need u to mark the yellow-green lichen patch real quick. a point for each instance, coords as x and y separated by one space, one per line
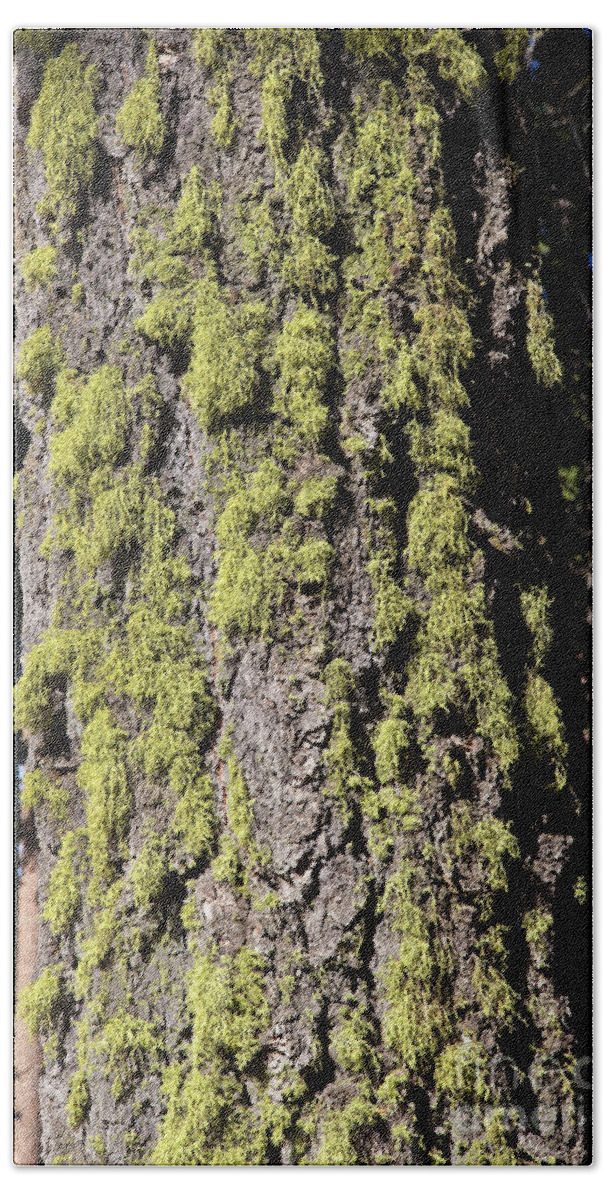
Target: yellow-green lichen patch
64 127
509 59
38 1002
140 121
540 340
210 1119
63 900
546 725
304 355
40 358
226 346
217 51
39 267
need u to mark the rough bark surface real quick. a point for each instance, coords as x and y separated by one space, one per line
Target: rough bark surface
302 499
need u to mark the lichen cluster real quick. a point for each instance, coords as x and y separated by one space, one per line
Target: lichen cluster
319 331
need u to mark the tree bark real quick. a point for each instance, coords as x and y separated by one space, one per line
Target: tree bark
302 375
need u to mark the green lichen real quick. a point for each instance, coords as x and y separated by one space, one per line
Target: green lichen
209 1118
540 342
535 606
39 790
63 900
79 1099
304 356
546 725
39 267
415 1019
316 496
216 51
38 1002
226 346
40 358
140 122
509 59
64 127
570 483
128 1046
461 1072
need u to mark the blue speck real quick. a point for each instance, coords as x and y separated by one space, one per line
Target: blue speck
544 294
590 261
533 65
20 772
587 32
19 872
20 849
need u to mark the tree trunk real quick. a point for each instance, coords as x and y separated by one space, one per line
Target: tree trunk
302 508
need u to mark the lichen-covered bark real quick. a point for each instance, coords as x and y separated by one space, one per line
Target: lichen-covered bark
302 359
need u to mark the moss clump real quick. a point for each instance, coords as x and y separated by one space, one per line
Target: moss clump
226 346
282 57
261 554
391 605
308 264
39 267
209 1117
140 121
103 776
129 1047
496 998
316 496
304 355
63 900
47 664
194 820
39 790
40 359
93 417
149 871
443 446
492 843
79 1099
509 58
492 1148
342 1133
217 51
196 214
390 742
461 1072
352 1042
43 42
64 127
546 726
535 606
39 1001
537 925
415 1019
540 341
